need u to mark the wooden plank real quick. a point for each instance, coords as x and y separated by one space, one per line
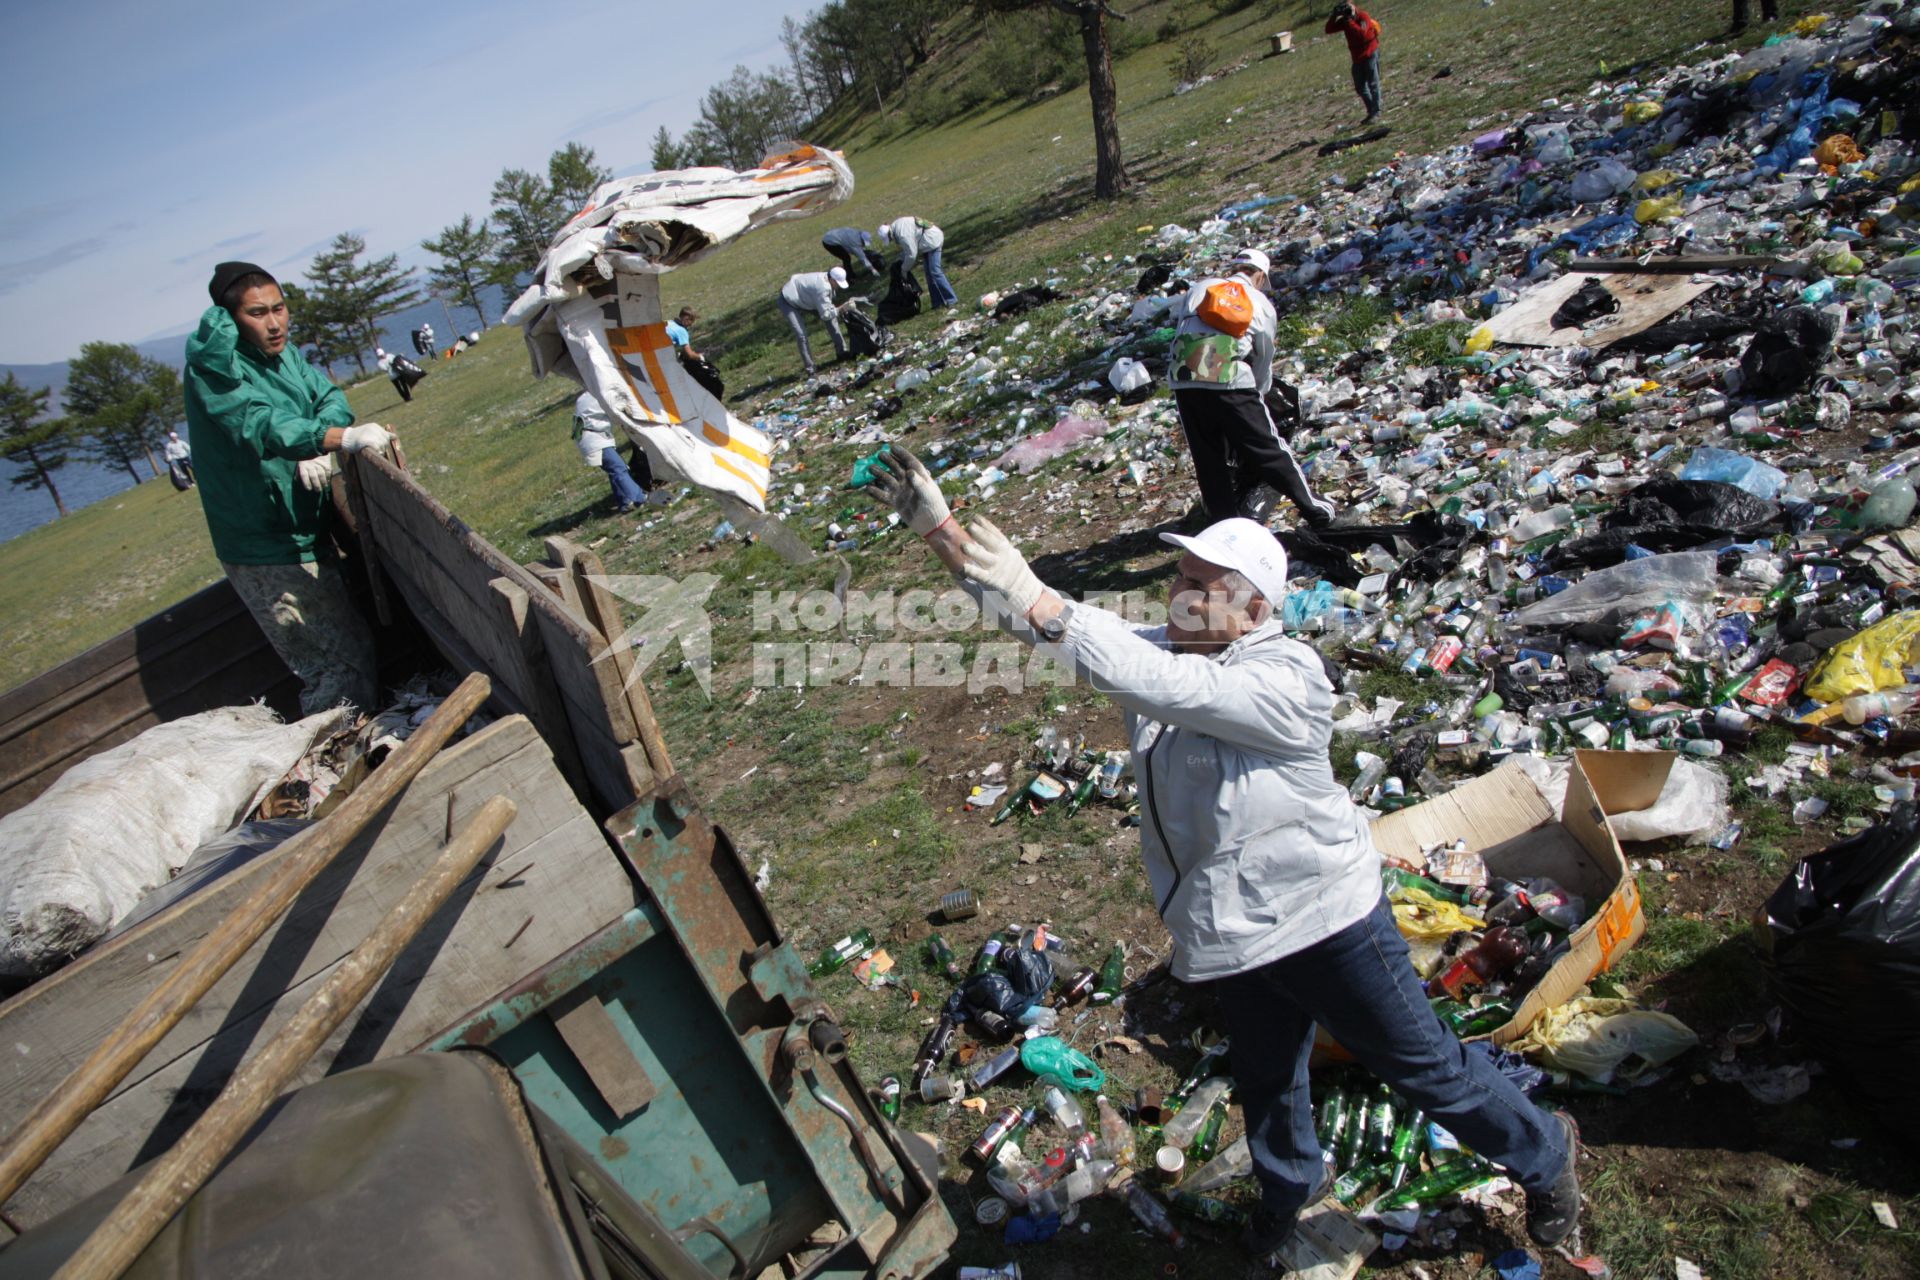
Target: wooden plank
512 604
205 651
597 1046
555 883
603 612
363 533
1689 265
1645 300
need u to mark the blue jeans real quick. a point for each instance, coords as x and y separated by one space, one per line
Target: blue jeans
625 492
939 288
1366 82
1361 987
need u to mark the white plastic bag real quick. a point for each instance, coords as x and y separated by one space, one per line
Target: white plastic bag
81 855
1683 577
1128 374
1693 801
1601 181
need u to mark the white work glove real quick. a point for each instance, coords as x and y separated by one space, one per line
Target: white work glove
996 564
903 482
368 435
317 473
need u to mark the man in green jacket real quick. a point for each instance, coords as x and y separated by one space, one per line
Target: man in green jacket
265 425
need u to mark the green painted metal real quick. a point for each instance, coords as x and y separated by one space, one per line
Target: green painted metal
759 1131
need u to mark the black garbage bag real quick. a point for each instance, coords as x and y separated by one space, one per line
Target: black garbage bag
865 336
1842 942
1428 545
701 370
1589 304
902 300
1787 350
1027 299
178 474
1669 514
1153 278
1023 977
1708 326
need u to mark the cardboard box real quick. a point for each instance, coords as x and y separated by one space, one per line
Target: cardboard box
1512 825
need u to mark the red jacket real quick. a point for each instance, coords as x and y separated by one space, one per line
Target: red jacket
1363 33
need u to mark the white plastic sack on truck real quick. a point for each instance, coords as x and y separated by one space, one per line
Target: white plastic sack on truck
81 855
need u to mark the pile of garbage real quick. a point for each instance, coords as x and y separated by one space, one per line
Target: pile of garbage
1619 404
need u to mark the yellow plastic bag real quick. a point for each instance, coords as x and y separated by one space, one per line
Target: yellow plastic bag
1868 662
1664 209
1420 915
1641 112
1479 340
1596 1038
1842 263
1811 23
1654 179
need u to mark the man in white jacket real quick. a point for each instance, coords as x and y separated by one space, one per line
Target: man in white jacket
1262 869
921 241
811 293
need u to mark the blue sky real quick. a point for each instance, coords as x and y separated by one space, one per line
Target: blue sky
143 142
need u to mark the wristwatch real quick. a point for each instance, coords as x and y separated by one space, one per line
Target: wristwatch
1054 629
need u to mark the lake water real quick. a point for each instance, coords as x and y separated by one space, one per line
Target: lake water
82 483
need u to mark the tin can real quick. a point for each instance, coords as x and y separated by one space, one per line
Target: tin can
961 904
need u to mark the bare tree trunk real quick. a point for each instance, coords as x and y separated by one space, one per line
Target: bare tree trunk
46 478
126 460
1110 170
152 461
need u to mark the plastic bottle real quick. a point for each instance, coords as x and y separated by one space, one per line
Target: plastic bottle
1065 1112
1152 1214
1116 1135
1872 706
1181 1130
1088 1180
1235 1162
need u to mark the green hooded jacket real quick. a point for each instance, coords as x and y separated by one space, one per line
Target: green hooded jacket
252 418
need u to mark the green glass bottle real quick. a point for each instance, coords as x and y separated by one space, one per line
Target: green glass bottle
1400 877
1207 1209
1381 1118
1406 1148
1331 1125
1353 1139
1352 1186
1113 975
842 953
944 959
1206 1143
1449 1179
1489 1016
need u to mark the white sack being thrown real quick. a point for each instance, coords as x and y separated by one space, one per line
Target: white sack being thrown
83 853
593 311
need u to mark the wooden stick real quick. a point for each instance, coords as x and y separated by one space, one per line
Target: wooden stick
603 611
175 1176
305 856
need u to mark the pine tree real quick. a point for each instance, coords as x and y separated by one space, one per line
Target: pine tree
527 214
466 252
121 404
28 437
352 295
572 176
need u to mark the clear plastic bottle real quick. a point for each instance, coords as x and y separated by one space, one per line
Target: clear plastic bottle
1065 1112
1116 1135
1872 706
1180 1131
1235 1162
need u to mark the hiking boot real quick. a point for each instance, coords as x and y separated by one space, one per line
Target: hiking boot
1267 1231
1554 1211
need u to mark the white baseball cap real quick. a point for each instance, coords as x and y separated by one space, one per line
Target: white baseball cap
1246 546
886 233
1254 258
838 275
